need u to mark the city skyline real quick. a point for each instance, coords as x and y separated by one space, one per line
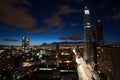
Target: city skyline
45 21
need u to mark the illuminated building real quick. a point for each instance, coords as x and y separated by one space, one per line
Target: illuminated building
87 33
25 44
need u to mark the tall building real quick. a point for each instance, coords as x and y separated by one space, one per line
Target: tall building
98 33
87 33
98 41
25 44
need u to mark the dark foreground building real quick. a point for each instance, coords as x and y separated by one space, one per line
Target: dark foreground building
109 62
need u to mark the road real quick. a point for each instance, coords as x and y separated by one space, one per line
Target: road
83 71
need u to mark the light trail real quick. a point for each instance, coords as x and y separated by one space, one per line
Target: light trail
83 71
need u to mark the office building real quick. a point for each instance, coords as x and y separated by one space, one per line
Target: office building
87 33
98 33
25 44
98 40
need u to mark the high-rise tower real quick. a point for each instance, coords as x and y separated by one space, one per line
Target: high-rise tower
98 32
87 33
25 44
98 41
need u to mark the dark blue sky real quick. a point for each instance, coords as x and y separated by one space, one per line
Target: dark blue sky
55 20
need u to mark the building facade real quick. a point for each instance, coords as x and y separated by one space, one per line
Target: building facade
98 32
98 40
87 33
109 62
25 44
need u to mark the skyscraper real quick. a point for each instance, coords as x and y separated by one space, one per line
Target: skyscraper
87 33
25 44
98 41
98 33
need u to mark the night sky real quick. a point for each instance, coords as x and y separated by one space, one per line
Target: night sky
46 21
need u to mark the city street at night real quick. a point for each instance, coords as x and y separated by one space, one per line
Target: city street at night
59 40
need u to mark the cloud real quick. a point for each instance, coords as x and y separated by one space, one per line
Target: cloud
15 16
26 2
38 29
66 9
76 36
116 15
54 20
7 28
63 38
72 37
13 40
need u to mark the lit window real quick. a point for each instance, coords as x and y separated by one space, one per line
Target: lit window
99 20
88 23
87 26
87 12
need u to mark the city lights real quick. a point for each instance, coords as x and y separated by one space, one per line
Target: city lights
59 40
